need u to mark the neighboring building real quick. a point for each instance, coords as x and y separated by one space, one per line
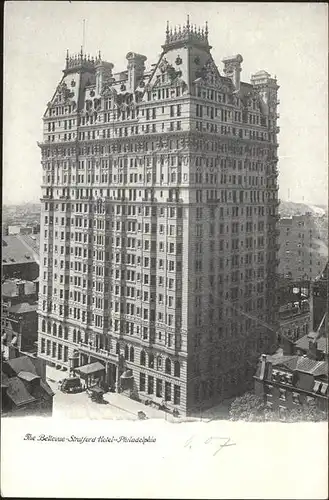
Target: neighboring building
294 323
319 299
25 230
302 253
35 229
24 390
287 382
314 344
158 222
18 259
12 230
19 319
294 312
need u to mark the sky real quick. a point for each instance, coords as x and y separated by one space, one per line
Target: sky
289 40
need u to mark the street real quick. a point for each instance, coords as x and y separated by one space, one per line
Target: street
115 406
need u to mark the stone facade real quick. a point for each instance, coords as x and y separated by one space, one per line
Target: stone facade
158 224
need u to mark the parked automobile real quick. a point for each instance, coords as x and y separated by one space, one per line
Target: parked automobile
70 385
96 394
141 415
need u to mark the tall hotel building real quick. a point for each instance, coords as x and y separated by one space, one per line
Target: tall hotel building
159 212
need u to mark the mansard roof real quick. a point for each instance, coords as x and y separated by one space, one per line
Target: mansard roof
185 61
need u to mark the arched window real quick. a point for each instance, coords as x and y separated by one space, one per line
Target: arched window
74 335
151 361
79 336
117 349
66 333
177 369
48 327
143 358
60 331
159 363
126 352
132 354
168 366
54 329
43 326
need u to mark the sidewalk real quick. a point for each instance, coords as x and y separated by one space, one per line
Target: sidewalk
133 407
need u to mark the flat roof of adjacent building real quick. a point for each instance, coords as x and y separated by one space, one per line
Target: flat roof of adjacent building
32 241
23 308
321 343
15 252
9 287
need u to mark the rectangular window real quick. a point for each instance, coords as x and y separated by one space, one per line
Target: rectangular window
176 394
142 379
150 386
59 352
159 388
167 391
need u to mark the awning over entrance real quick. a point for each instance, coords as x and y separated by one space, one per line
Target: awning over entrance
90 369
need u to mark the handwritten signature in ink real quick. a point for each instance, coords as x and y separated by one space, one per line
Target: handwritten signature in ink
224 442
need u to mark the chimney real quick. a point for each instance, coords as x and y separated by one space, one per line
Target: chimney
232 69
262 367
136 68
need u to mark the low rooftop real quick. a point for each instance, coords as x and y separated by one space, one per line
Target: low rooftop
9 288
321 343
298 364
14 251
23 308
